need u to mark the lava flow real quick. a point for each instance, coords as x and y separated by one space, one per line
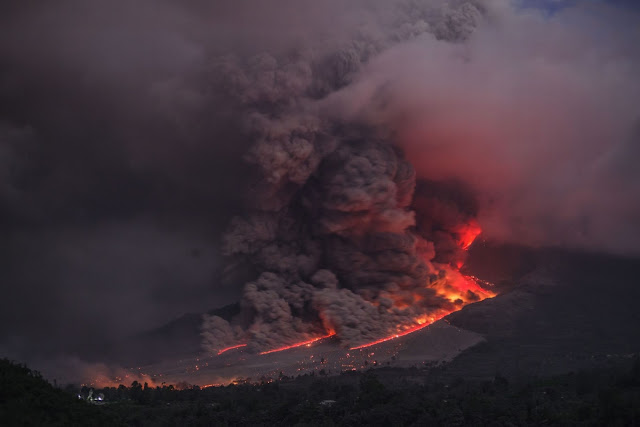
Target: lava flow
401 333
467 233
458 289
224 350
300 344
470 285
461 290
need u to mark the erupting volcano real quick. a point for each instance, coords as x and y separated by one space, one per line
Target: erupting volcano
346 257
455 293
342 235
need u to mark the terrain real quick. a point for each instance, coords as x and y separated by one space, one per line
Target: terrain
558 345
387 396
556 311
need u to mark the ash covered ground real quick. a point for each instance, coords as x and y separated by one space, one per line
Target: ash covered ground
434 345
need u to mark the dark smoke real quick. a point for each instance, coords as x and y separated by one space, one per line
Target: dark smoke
341 239
342 150
333 237
337 257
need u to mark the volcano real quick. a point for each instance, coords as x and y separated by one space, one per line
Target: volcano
557 311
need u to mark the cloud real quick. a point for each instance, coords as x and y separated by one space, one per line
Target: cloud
528 112
75 291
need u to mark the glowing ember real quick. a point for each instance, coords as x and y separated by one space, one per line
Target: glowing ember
467 234
300 344
224 350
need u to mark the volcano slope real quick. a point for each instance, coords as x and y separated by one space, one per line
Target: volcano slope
566 311
557 311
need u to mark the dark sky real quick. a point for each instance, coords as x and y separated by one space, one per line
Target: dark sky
122 160
116 179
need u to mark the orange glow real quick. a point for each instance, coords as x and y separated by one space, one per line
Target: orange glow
458 289
425 322
224 350
300 344
467 234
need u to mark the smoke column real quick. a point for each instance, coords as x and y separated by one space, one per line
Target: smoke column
378 160
342 238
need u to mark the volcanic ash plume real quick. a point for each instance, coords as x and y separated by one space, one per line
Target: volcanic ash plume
345 256
338 240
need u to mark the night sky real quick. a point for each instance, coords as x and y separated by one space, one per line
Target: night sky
132 134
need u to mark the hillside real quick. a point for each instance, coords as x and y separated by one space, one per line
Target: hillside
568 311
557 311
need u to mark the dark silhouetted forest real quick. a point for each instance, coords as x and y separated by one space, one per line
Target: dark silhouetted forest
604 396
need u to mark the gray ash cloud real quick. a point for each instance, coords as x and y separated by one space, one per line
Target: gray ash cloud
335 196
332 236
338 257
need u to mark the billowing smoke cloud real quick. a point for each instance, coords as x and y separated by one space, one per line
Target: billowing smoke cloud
347 152
350 221
343 255
496 117
532 113
333 238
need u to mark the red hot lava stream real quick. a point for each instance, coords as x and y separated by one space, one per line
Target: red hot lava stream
224 350
401 334
471 283
300 344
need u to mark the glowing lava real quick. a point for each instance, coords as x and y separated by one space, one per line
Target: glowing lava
224 350
464 290
300 344
454 287
461 290
402 333
458 289
467 233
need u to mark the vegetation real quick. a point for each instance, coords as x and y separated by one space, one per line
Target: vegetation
608 396
26 399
